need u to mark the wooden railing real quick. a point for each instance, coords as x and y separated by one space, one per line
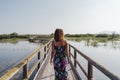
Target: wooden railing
91 63
25 63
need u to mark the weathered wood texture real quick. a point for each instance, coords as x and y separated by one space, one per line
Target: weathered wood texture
48 73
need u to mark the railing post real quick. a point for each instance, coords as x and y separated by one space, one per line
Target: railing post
69 48
90 71
75 56
25 71
39 59
45 52
47 47
69 52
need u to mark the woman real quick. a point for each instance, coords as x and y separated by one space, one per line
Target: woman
60 55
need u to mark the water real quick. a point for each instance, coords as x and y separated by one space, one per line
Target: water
107 54
13 53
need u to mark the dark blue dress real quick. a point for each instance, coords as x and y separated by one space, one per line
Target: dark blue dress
60 63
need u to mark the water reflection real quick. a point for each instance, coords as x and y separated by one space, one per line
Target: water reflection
94 43
12 41
91 43
12 52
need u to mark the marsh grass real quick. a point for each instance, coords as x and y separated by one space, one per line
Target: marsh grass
12 40
94 41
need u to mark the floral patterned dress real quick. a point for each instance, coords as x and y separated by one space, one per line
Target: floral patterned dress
60 63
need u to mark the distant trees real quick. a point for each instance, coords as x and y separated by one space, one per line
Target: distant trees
79 35
107 36
13 35
102 35
4 36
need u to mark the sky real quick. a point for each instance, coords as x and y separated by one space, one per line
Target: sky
73 16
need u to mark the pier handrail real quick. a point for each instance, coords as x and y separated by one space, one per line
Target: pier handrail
91 63
25 63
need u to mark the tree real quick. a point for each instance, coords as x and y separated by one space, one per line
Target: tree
13 35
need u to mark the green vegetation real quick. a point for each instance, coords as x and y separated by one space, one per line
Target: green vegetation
94 37
13 35
12 40
76 37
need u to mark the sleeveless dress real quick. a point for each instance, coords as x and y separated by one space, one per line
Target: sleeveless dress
60 63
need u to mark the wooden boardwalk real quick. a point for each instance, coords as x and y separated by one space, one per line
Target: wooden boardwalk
48 73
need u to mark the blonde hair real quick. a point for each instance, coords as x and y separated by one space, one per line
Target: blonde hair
59 35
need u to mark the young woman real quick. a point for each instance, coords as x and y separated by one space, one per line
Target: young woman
60 55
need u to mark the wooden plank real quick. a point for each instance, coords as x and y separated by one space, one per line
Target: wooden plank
48 73
52 72
42 68
70 74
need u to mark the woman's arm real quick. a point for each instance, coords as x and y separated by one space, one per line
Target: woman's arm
52 53
67 52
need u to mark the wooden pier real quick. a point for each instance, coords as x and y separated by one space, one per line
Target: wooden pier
38 39
43 70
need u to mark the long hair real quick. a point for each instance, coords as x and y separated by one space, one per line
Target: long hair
58 35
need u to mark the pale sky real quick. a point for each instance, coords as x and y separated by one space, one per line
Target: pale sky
73 16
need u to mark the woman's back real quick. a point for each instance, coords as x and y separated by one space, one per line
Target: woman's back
60 49
59 43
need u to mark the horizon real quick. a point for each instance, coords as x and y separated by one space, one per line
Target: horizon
73 16
103 32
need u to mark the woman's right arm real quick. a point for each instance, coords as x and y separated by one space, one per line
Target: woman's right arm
52 53
67 52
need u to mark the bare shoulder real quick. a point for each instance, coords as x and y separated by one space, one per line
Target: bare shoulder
65 41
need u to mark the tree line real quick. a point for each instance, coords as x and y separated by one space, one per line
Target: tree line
110 36
13 35
16 35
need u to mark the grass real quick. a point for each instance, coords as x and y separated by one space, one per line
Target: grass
93 41
11 40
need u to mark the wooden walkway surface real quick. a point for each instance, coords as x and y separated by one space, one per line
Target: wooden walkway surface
48 73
